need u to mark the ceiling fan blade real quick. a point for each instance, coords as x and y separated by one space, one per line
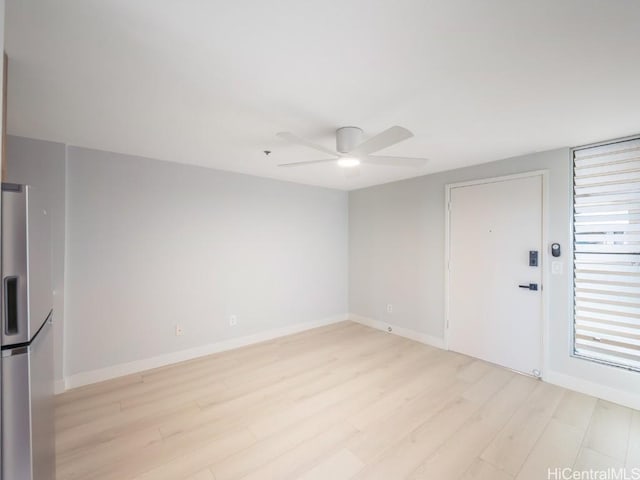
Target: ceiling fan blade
290 137
353 172
385 139
309 162
395 161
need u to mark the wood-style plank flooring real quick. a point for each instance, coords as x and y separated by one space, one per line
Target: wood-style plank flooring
338 402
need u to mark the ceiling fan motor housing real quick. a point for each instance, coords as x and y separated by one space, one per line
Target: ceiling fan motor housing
348 138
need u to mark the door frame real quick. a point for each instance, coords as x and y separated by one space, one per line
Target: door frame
544 254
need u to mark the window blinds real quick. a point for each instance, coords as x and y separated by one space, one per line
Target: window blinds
607 253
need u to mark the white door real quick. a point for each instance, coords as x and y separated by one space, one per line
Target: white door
493 227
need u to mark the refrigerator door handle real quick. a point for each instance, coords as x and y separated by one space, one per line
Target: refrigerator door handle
11 323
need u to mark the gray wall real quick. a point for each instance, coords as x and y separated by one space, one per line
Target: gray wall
42 164
151 244
397 256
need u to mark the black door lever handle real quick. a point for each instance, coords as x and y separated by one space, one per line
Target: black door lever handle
530 286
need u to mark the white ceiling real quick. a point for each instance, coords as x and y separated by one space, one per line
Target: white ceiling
211 82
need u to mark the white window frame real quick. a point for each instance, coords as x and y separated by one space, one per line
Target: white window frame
573 352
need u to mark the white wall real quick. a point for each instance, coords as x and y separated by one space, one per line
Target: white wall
151 244
396 255
42 164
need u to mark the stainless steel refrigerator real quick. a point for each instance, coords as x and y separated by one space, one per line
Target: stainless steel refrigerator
26 418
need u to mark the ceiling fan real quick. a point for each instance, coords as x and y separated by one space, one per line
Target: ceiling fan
352 151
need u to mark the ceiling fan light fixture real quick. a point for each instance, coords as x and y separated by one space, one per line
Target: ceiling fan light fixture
351 151
348 162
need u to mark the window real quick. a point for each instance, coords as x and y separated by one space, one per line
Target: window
606 227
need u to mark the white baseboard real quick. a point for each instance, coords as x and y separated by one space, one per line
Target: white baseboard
401 331
120 370
621 397
59 386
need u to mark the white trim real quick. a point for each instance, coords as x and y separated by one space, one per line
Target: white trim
447 259
605 142
62 355
621 397
86 378
500 178
545 264
400 331
614 395
571 262
122 369
59 386
544 174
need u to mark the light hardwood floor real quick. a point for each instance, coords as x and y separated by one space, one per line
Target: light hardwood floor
338 402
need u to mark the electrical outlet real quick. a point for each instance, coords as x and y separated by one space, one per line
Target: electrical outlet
179 331
389 308
233 320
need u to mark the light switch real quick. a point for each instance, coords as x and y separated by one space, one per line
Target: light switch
556 268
